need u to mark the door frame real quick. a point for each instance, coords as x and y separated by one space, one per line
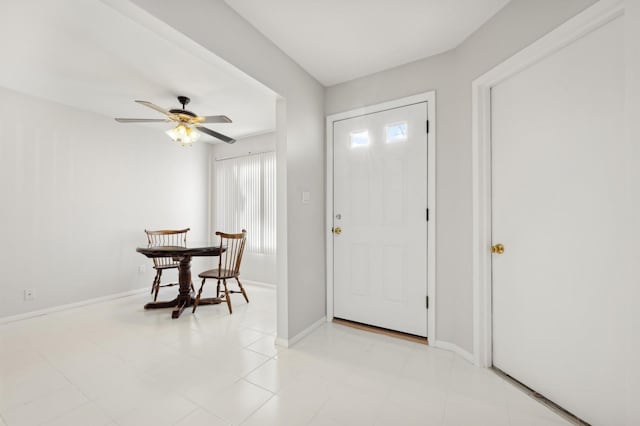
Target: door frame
430 99
580 25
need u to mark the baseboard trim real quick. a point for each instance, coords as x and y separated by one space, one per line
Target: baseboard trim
259 284
59 308
455 349
287 343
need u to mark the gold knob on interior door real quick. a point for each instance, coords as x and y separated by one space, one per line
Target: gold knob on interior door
337 230
497 249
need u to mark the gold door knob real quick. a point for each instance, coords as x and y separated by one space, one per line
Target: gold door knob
497 249
337 230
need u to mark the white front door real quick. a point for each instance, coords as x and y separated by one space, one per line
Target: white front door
560 208
380 202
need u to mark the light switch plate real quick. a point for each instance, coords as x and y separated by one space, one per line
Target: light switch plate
306 197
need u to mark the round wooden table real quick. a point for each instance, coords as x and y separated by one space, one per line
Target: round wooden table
183 255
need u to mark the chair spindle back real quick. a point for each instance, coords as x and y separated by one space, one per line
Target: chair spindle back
167 237
234 244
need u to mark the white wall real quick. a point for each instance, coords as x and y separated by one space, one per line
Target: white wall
300 142
77 191
631 293
450 74
255 267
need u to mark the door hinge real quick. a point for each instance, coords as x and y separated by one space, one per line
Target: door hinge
427 126
427 214
427 302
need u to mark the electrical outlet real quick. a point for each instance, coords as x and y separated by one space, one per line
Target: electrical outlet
142 269
29 294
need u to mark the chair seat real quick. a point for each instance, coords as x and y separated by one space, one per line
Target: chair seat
218 274
166 266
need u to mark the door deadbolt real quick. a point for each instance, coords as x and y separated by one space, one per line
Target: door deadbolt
497 249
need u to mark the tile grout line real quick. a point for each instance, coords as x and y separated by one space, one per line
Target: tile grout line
257 408
197 406
318 410
73 385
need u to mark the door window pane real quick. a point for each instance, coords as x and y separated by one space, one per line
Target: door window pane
359 138
396 132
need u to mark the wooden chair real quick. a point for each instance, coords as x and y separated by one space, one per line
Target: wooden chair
165 237
228 267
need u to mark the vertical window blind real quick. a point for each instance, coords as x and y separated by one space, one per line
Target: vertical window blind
245 198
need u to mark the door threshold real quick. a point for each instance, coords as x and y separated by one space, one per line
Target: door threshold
567 415
384 331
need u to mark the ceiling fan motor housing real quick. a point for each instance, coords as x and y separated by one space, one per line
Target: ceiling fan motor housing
182 111
184 100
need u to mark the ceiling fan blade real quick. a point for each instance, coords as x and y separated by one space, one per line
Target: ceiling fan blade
216 135
143 120
216 119
159 109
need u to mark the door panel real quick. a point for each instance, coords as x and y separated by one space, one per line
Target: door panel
559 207
380 198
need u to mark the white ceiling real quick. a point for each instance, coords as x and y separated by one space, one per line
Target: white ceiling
339 40
101 55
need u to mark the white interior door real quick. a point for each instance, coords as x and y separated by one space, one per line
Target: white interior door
380 201
559 190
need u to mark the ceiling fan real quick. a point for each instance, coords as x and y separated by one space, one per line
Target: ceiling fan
187 120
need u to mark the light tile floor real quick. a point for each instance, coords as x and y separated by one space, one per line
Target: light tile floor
115 364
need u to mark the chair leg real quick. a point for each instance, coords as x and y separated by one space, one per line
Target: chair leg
244 293
155 282
226 296
195 303
192 287
158 277
218 290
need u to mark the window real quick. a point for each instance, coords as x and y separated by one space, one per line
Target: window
245 198
396 132
359 138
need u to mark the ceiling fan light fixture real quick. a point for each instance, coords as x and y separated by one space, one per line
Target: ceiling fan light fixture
187 122
183 134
